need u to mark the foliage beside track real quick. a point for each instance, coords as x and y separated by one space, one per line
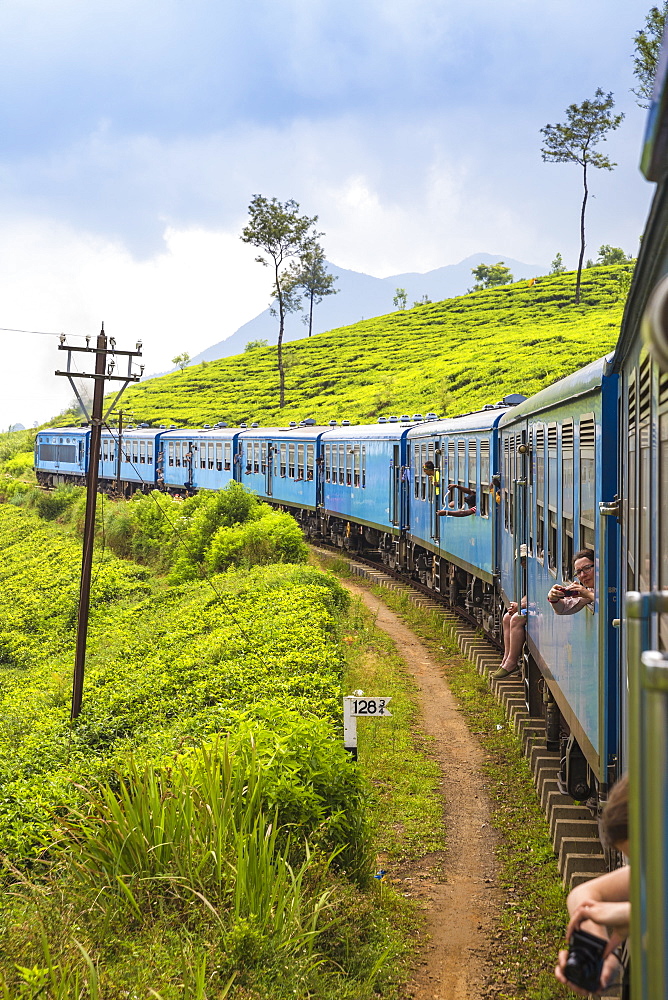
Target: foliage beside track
447 357
127 875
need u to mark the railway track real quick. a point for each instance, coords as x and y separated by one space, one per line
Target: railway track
573 829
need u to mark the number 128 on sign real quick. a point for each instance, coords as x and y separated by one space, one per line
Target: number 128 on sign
370 706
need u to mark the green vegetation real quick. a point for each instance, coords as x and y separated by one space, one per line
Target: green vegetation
534 915
199 830
447 357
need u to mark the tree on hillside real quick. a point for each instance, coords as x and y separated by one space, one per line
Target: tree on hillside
611 255
400 298
424 301
647 44
491 275
252 344
586 125
557 266
283 235
309 278
181 360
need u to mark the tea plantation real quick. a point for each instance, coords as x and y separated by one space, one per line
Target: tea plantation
448 357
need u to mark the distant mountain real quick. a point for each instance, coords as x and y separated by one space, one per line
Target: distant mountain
360 296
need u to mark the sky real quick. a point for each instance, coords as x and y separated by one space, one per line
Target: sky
136 132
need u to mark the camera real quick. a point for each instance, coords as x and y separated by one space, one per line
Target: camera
585 960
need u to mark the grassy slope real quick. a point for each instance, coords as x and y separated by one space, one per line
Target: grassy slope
449 357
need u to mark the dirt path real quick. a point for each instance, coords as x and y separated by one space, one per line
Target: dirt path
461 900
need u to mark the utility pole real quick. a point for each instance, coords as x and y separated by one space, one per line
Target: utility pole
102 351
119 457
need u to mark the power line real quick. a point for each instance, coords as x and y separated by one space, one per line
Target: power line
42 333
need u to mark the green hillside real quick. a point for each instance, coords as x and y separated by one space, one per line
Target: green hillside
448 357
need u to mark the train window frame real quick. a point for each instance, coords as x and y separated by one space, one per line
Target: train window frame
587 461
357 476
149 453
363 466
417 468
300 462
539 502
228 456
552 506
310 461
485 476
328 463
472 456
105 449
644 476
201 447
662 479
170 453
505 491
142 452
219 456
283 459
567 498
349 463
342 464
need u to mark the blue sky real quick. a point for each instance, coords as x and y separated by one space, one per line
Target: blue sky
135 133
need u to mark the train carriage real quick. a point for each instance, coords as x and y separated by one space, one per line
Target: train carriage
365 487
200 458
456 556
134 465
280 465
557 453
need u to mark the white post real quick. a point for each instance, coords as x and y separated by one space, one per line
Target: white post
349 726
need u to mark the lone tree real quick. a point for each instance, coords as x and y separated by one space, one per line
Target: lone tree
557 266
181 360
310 278
647 44
400 298
586 125
282 234
611 255
491 275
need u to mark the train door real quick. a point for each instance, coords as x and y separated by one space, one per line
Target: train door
434 487
268 447
395 478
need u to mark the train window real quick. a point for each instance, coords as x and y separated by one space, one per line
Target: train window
300 461
284 453
228 455
348 448
263 457
170 452
177 452
506 482
363 466
142 452
452 474
461 463
256 456
540 493
356 466
342 459
328 463
209 450
567 487
202 454
135 452
644 455
431 479
552 497
291 461
423 478
484 478
219 456
149 453
587 481
105 450
310 451
417 471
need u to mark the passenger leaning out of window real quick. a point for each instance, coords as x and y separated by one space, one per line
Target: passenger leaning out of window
569 598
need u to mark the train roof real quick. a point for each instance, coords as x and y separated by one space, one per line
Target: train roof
212 433
581 383
310 433
479 420
370 432
65 431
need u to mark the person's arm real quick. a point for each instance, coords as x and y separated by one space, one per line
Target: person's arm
587 900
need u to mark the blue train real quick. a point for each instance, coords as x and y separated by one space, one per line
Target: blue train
581 466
